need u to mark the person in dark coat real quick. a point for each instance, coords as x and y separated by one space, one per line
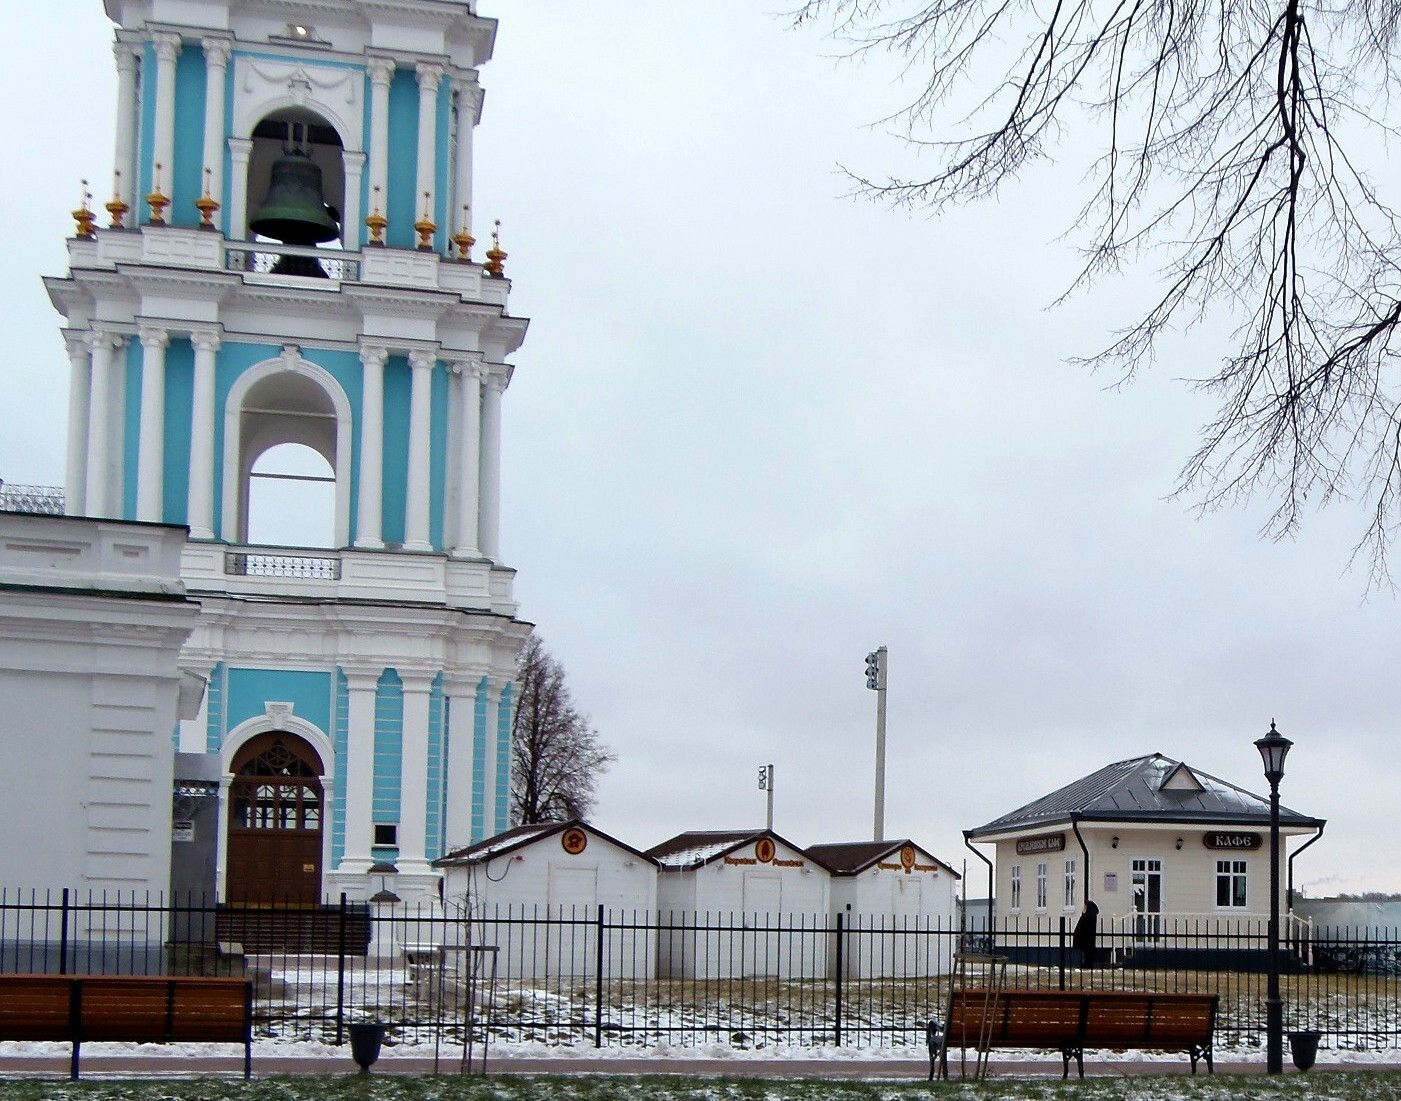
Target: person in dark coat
1086 929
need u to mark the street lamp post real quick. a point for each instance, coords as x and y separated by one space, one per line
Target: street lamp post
1274 747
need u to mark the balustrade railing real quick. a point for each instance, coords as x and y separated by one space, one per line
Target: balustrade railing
273 259
307 566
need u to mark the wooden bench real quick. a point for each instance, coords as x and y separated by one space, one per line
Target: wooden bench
1069 1021
127 1008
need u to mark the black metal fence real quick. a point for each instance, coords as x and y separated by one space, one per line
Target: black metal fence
595 976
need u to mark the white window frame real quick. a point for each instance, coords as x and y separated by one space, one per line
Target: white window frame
1043 893
1070 883
1015 902
1233 874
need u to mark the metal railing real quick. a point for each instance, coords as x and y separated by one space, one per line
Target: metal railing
266 258
316 567
621 978
43 500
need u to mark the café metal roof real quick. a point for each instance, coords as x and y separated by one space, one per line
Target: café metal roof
1145 789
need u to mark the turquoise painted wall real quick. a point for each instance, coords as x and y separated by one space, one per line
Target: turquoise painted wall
398 382
504 715
403 204
437 766
214 717
188 179
179 401
249 691
389 753
341 740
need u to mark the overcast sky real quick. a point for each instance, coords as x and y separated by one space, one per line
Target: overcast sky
759 428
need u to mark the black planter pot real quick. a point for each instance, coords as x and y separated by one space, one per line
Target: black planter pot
365 1042
1303 1048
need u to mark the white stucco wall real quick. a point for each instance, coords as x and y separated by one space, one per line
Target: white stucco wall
539 904
92 617
900 923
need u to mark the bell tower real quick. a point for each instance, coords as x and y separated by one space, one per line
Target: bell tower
279 335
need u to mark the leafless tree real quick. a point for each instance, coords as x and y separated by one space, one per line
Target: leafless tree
556 757
1230 142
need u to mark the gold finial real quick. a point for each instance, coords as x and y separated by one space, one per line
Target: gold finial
84 215
206 204
495 257
157 200
463 239
425 227
376 222
117 208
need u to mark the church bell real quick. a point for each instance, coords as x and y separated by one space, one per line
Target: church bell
294 210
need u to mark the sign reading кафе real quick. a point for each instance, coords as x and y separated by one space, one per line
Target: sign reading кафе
1045 843
1222 840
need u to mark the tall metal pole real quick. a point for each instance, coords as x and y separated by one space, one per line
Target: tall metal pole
769 789
876 672
1274 1004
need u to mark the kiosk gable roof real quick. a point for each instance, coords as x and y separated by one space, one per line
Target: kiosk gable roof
1138 789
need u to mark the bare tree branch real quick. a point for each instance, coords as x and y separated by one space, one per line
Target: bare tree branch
1224 130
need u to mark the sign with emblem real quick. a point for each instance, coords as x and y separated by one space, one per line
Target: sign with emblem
574 841
764 850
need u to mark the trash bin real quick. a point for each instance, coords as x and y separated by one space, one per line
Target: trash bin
1303 1048
365 1042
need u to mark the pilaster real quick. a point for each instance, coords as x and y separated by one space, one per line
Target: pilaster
167 52
416 493
79 401
201 499
430 77
97 498
489 523
150 457
216 62
469 416
369 524
380 71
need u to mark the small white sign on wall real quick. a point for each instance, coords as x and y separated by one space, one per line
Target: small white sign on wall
1111 881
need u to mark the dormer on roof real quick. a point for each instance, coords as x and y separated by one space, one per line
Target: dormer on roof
1181 778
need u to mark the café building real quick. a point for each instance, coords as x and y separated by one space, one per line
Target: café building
1163 848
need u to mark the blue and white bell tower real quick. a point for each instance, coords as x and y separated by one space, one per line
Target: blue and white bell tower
359 691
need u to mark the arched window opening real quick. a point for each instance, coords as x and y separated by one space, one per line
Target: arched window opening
292 498
296 187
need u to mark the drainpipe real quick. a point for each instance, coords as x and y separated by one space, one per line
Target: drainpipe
1075 826
1289 894
968 843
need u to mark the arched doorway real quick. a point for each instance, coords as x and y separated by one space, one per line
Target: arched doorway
276 813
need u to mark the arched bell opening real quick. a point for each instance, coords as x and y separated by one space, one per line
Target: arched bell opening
290 415
277 812
296 185
292 498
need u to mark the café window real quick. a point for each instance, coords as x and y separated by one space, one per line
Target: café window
1069 885
1041 885
1016 887
1230 884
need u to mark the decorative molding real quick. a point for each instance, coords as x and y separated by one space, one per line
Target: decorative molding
167 45
430 76
216 51
380 70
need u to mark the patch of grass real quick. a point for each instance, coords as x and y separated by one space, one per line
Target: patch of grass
1325 1086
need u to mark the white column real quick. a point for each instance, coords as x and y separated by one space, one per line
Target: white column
150 446
167 51
461 696
358 784
352 220
469 457
381 71
369 524
416 493
489 495
413 765
216 63
469 102
429 78
79 397
125 162
236 224
201 500
104 346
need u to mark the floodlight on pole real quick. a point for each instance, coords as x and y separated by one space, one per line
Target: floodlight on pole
875 680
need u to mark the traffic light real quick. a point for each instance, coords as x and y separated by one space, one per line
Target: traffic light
873 669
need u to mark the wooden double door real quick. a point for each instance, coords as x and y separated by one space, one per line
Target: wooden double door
276 816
